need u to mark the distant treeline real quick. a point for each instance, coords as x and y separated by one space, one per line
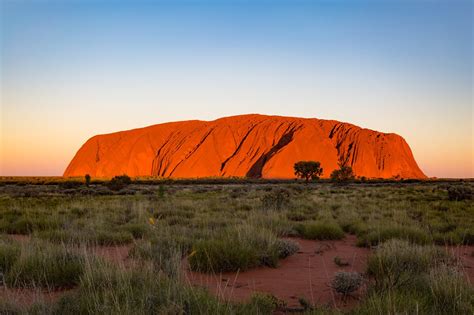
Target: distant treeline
14 180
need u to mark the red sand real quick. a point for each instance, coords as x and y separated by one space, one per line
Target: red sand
247 145
305 274
466 256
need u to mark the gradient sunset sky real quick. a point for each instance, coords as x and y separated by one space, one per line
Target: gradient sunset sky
71 69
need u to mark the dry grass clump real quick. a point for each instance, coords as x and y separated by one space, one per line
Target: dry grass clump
239 249
40 264
411 278
398 263
106 289
450 293
320 231
9 253
92 237
385 233
277 199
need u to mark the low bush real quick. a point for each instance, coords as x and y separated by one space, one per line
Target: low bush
69 184
346 282
320 231
286 248
458 193
119 182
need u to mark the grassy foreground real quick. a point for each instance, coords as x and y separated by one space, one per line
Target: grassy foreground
228 227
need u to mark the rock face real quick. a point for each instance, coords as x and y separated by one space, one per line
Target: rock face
247 145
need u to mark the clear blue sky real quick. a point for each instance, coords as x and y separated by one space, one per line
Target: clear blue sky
71 69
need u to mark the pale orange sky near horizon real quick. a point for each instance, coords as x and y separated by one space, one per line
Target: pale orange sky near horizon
52 156
72 70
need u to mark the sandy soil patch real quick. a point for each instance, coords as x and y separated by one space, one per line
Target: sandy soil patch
306 274
465 254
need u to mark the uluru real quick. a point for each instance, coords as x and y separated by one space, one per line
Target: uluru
257 146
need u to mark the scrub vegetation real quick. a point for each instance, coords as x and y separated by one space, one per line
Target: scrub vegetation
51 230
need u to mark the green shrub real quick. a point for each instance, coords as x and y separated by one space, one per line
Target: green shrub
45 265
237 250
9 253
411 278
353 226
393 302
8 307
398 263
263 303
21 226
138 230
412 234
26 225
107 289
63 236
98 237
221 255
458 236
165 251
296 216
104 237
162 246
449 291
466 235
69 184
276 199
320 231
457 193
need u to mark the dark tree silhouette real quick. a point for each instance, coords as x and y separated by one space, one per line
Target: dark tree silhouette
88 179
345 172
119 182
308 170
